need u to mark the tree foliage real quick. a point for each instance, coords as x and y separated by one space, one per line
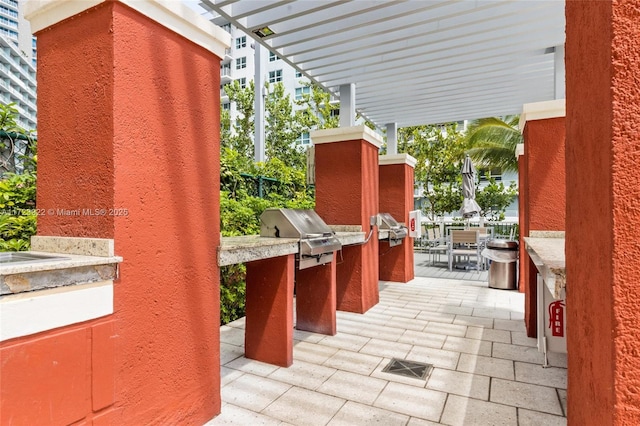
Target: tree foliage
240 136
493 142
439 151
282 128
18 187
248 188
318 112
494 198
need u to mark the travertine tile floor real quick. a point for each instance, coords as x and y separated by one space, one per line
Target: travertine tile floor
486 371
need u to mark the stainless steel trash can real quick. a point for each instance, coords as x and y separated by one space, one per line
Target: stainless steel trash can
503 272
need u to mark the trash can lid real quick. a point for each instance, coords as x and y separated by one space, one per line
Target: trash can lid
502 244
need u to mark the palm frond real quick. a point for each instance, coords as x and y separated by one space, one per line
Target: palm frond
493 142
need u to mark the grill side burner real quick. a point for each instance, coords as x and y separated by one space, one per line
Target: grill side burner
317 240
397 232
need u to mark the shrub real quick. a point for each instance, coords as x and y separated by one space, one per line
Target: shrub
240 210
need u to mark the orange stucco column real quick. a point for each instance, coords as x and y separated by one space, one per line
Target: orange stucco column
603 194
316 298
269 310
522 215
543 200
128 127
347 192
396 198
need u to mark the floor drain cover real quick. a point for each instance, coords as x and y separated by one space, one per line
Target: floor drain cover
403 367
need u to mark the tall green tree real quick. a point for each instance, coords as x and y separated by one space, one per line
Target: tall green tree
494 198
493 142
282 128
318 111
439 151
240 138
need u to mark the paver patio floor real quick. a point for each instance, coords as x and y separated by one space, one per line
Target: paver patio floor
486 371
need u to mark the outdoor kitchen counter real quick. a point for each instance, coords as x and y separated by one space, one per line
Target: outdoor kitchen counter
247 248
547 253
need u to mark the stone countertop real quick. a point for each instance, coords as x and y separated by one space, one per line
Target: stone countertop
65 270
63 261
548 256
351 238
247 248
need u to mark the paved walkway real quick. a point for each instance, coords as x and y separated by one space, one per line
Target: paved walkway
440 269
485 370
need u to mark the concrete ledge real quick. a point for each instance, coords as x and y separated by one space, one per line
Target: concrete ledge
548 256
541 111
41 280
247 248
546 234
350 238
71 245
173 15
68 262
345 228
397 159
519 150
343 134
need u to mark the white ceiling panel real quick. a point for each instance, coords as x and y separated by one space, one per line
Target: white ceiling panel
415 61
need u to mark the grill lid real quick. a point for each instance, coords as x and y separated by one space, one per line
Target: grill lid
388 222
292 223
397 232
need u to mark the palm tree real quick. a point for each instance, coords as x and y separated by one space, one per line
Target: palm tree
493 141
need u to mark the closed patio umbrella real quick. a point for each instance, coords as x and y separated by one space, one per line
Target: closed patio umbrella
469 205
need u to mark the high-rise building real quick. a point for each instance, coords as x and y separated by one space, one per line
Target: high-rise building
17 62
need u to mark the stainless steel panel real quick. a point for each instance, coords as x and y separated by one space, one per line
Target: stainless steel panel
305 262
292 223
312 247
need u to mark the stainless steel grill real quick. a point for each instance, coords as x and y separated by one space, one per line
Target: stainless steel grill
317 240
396 231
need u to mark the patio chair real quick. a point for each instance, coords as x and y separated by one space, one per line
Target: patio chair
421 244
437 244
486 231
486 234
465 243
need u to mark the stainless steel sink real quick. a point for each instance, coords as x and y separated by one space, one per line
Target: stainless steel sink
24 257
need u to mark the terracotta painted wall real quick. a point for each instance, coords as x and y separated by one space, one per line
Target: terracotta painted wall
347 188
338 183
603 189
58 377
76 126
544 153
544 197
129 119
396 198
